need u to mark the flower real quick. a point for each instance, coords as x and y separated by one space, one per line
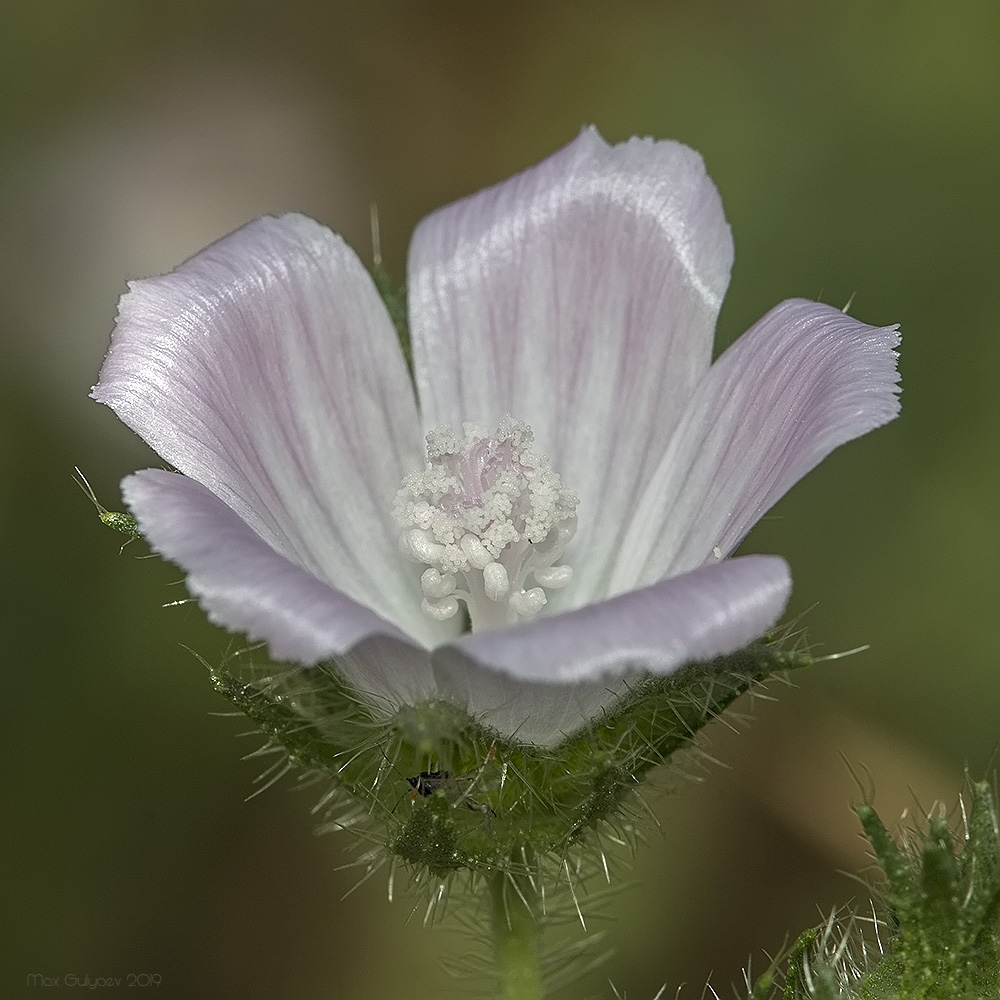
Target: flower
588 471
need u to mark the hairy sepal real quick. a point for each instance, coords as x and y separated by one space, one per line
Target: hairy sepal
445 792
394 297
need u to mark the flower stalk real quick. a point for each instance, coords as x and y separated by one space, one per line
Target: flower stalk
515 920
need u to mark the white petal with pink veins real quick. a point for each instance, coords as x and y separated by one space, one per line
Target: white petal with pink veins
554 665
243 583
580 296
266 368
802 381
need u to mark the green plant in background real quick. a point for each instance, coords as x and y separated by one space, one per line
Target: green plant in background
935 932
484 645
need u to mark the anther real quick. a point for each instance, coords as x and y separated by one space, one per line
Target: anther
418 547
435 584
527 603
557 539
477 553
554 577
496 581
441 610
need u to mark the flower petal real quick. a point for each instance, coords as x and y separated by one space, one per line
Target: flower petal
802 381
245 585
546 677
579 296
266 368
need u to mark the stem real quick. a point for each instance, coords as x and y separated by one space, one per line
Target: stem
516 933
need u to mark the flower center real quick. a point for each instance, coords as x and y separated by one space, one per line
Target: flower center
485 515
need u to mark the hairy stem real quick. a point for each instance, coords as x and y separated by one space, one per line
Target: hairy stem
516 932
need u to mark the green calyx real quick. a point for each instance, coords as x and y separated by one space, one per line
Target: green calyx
444 792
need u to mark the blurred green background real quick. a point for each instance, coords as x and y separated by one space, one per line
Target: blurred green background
855 145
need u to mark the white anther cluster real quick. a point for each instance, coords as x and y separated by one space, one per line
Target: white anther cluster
486 515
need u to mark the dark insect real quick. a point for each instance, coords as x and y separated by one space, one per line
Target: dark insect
428 782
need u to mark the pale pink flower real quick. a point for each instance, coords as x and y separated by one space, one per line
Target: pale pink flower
578 298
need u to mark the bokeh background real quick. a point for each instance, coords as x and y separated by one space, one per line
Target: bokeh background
856 147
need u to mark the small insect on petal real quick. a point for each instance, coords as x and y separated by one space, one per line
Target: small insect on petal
118 520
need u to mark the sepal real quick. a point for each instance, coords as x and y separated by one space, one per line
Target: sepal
394 297
444 792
